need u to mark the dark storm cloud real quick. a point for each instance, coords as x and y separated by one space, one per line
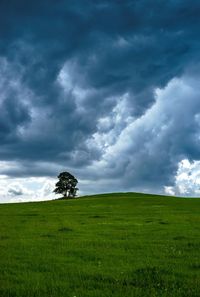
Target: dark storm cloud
14 111
146 154
13 114
70 63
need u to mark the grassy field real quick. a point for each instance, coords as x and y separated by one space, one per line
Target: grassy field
106 245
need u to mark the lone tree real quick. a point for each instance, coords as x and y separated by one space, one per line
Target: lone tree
66 185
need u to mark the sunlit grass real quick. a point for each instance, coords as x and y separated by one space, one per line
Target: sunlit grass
107 245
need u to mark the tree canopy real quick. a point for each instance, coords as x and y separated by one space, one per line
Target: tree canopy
66 185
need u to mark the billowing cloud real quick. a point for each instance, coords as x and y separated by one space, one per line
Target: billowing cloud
187 182
147 151
27 189
105 89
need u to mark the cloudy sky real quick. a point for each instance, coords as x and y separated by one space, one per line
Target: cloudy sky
108 90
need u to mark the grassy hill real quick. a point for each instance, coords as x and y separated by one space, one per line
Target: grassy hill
105 245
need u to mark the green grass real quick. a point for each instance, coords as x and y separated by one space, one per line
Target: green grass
107 245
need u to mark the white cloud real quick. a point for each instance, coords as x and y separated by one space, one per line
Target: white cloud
112 125
169 190
187 181
26 189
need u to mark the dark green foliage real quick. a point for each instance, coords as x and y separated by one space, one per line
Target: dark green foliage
66 185
101 246
65 229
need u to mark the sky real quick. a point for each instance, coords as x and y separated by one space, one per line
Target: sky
107 90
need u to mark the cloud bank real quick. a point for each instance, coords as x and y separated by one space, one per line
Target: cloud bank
106 89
